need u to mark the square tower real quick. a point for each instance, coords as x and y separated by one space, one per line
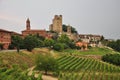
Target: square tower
56 24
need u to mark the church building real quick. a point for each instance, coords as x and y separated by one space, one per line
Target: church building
29 31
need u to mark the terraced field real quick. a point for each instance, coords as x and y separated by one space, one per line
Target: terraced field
77 68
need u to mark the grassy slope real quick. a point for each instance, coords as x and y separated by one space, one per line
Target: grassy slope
7 59
24 58
92 51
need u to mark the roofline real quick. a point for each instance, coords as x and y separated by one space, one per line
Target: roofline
2 30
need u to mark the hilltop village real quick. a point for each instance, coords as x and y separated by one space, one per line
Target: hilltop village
60 53
56 27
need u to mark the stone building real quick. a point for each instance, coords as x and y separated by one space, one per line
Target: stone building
72 36
29 31
56 24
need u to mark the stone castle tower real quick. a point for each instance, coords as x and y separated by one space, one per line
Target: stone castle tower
28 24
56 24
69 29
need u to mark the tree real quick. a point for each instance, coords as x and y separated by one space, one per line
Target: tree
31 42
17 41
58 47
102 38
63 39
72 45
40 43
1 46
49 42
40 37
46 63
64 27
73 30
112 58
115 45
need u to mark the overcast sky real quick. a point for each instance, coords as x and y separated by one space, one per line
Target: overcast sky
87 16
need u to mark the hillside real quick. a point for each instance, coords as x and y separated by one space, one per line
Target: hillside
23 59
78 68
8 59
84 65
26 59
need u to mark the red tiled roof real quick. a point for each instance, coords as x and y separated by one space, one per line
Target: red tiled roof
15 33
35 30
2 30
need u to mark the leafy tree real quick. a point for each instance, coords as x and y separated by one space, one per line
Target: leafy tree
112 58
72 45
46 63
58 46
31 42
17 42
73 30
49 42
40 37
63 39
102 38
64 27
66 42
40 43
115 45
11 46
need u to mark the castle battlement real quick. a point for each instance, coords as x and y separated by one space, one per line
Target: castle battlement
58 17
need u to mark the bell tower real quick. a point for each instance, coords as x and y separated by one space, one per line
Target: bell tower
28 24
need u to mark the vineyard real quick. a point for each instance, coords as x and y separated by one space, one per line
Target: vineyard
17 74
77 68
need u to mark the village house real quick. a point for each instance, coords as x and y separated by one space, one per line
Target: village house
56 26
5 38
92 40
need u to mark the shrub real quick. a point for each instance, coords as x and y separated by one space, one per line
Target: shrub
112 58
58 47
115 45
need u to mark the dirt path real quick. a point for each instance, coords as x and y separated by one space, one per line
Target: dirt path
44 77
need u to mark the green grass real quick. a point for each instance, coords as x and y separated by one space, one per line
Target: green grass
7 59
92 51
23 59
